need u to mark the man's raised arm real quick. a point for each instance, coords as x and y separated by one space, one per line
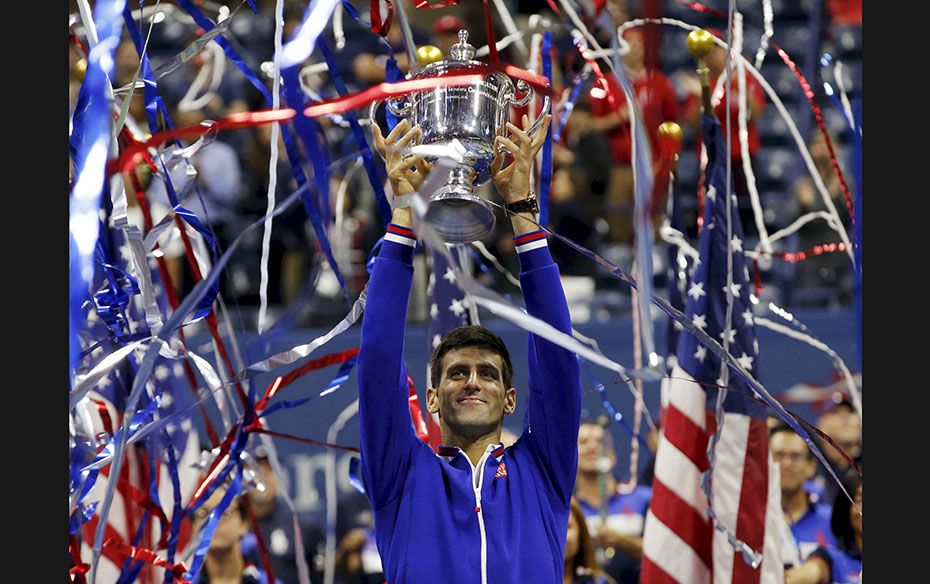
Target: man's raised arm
387 437
554 372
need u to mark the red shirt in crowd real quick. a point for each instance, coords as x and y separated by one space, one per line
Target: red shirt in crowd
753 92
657 102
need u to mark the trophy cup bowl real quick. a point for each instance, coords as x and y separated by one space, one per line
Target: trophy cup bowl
474 115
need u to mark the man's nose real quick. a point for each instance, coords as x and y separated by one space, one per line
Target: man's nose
472 381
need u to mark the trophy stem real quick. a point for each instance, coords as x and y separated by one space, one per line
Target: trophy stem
456 213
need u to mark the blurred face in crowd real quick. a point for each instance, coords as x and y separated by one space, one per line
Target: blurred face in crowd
572 537
795 462
845 428
231 527
471 399
634 59
592 447
270 481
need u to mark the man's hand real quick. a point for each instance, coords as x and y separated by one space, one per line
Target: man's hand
513 182
406 174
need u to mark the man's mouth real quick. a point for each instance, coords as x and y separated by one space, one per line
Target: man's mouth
470 400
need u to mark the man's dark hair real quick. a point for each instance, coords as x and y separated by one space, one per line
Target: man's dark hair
784 427
839 518
470 336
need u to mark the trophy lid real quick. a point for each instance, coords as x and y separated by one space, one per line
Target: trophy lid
462 50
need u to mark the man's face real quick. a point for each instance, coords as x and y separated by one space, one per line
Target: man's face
471 399
591 449
231 527
845 428
794 460
269 481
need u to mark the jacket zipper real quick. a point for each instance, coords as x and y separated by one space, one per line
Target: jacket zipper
484 542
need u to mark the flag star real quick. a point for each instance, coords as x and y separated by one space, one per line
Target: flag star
449 275
720 382
699 320
457 307
745 361
166 400
747 317
700 353
105 382
103 214
712 193
177 369
746 273
436 341
696 290
186 425
734 287
736 244
677 325
161 373
755 346
732 335
434 310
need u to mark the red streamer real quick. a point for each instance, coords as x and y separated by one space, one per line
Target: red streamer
416 413
305 440
800 256
283 381
809 94
489 32
147 556
377 26
440 4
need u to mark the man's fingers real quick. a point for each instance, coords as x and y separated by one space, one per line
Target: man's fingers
519 134
540 138
398 129
497 162
410 135
509 145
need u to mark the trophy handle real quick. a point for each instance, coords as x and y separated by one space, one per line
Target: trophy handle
524 88
401 110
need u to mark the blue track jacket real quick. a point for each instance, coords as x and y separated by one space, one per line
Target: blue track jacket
437 518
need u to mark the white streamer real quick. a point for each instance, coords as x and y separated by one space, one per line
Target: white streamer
272 167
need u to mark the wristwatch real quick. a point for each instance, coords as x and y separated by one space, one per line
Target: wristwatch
527 205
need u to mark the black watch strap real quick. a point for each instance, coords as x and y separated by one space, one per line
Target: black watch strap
527 205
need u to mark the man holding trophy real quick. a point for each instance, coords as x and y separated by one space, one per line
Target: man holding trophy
476 511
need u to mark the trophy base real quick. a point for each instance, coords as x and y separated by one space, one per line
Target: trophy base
459 216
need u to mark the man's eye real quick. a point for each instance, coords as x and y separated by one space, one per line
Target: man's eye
488 374
458 374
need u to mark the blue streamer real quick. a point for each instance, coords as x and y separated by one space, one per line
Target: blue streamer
355 474
615 414
81 516
342 375
545 173
569 105
375 178
177 513
212 522
128 575
92 148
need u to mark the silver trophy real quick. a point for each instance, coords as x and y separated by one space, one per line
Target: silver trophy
473 115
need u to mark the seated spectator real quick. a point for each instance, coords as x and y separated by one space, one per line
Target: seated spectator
357 560
277 527
571 215
834 268
581 565
840 563
446 32
224 562
371 54
809 520
615 519
842 424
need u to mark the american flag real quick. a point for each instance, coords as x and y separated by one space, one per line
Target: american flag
681 543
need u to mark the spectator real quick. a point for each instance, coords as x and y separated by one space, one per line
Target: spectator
755 105
581 565
572 215
842 424
657 102
840 563
224 562
357 560
277 526
614 518
371 54
831 269
809 520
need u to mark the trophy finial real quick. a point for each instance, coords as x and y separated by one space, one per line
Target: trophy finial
462 51
700 43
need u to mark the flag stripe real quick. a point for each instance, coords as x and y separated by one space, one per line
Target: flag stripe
726 484
651 573
688 396
693 527
750 525
686 436
679 474
670 553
